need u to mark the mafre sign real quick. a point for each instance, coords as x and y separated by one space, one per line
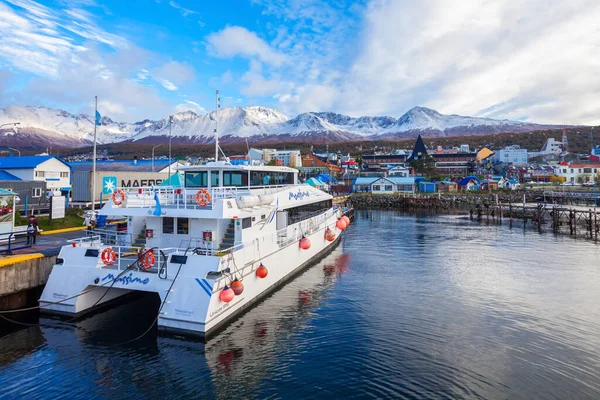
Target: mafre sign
57 207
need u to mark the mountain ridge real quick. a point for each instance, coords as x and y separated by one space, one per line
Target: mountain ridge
42 126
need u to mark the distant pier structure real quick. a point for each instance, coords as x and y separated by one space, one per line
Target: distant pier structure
577 221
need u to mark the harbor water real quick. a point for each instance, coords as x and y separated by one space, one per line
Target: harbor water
407 306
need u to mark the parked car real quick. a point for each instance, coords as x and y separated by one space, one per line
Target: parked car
589 183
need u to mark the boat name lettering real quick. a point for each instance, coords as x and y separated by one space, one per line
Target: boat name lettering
186 313
300 195
219 310
141 182
126 280
59 296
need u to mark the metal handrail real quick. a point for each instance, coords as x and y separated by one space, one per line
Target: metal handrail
174 197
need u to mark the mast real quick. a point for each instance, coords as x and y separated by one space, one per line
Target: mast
94 159
217 106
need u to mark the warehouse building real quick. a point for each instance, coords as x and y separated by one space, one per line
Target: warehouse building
112 174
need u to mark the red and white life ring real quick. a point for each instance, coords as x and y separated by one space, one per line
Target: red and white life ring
202 197
118 197
108 256
148 260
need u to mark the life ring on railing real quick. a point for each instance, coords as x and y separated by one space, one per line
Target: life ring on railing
202 197
148 260
108 256
118 197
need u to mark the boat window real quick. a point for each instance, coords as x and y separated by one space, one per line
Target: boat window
196 179
266 178
214 178
182 226
246 223
301 213
235 178
168 225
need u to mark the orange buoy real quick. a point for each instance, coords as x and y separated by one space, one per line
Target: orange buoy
237 287
341 224
346 220
304 243
329 235
262 271
226 294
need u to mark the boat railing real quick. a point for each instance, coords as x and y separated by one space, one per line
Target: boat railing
172 197
185 198
111 237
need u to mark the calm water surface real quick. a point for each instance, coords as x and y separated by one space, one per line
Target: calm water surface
407 306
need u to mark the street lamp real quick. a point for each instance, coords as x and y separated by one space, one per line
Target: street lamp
10 148
158 145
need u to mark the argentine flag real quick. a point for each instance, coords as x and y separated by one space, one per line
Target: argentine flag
98 116
158 208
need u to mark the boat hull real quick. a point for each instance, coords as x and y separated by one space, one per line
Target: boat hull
190 303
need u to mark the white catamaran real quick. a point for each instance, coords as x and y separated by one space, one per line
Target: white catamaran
212 248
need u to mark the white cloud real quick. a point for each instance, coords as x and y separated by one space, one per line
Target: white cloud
66 49
238 41
190 106
184 11
503 59
175 72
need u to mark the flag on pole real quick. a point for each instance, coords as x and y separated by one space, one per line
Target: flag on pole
158 208
98 116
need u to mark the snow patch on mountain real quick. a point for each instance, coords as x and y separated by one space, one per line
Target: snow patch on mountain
60 128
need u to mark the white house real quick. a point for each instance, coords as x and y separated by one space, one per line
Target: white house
288 158
511 155
392 185
50 169
399 171
572 171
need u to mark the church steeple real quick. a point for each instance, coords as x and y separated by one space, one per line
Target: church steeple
418 151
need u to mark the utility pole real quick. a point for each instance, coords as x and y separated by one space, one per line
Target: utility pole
170 123
94 159
217 106
158 145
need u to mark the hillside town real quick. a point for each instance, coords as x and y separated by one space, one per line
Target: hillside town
35 179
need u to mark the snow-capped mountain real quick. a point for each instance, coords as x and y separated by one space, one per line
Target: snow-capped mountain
42 127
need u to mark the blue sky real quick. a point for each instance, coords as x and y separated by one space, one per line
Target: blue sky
146 59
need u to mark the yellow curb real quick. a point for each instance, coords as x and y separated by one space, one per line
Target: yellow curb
79 228
10 260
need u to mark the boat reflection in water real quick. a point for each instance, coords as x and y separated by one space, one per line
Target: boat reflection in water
90 354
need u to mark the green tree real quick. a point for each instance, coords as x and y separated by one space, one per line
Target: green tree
424 166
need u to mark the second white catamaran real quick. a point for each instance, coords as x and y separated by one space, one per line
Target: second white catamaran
212 248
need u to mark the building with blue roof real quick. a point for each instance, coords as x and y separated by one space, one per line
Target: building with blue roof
54 172
378 184
120 173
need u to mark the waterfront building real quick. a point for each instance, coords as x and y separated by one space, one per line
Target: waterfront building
288 158
399 170
468 183
54 172
117 173
447 187
28 193
551 147
378 184
511 155
576 172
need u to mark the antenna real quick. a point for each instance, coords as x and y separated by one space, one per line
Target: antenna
217 106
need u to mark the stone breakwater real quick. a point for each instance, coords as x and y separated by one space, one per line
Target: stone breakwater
442 201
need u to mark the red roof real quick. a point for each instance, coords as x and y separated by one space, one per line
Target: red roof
584 165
